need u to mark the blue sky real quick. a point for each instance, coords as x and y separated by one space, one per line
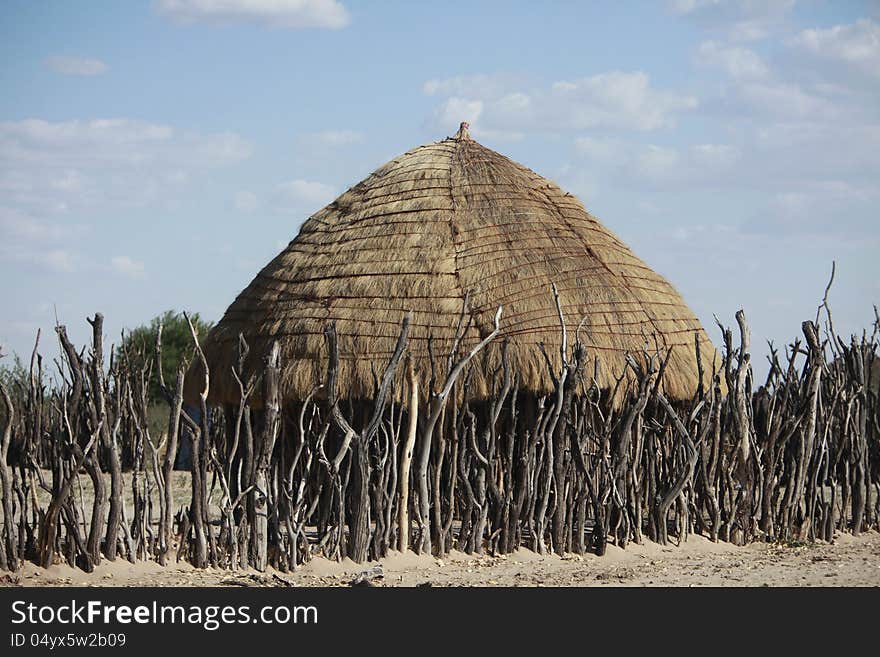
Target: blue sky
155 155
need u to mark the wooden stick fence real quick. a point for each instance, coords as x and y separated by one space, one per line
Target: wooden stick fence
794 459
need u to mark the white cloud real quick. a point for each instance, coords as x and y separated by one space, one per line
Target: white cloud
333 138
615 100
52 167
618 100
857 43
246 202
15 224
67 65
805 210
69 180
714 154
753 30
114 141
218 148
737 62
35 242
454 110
690 6
484 86
650 165
57 260
48 260
785 99
746 8
293 14
299 193
127 266
739 20
813 102
785 153
712 232
657 162
603 150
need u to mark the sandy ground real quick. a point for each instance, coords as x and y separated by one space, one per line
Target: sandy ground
697 562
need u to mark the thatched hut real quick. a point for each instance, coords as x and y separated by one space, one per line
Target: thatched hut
447 224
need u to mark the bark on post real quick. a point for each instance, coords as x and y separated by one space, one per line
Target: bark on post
91 464
108 438
741 394
201 437
9 547
809 431
263 447
406 459
167 506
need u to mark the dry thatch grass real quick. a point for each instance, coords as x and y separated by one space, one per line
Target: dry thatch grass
443 221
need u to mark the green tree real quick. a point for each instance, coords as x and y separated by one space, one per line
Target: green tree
14 377
13 374
177 346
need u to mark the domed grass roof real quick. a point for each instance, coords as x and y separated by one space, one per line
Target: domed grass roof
446 221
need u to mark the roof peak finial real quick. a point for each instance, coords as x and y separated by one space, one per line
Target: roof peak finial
463 133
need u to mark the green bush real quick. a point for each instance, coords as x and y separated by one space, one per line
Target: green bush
177 346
